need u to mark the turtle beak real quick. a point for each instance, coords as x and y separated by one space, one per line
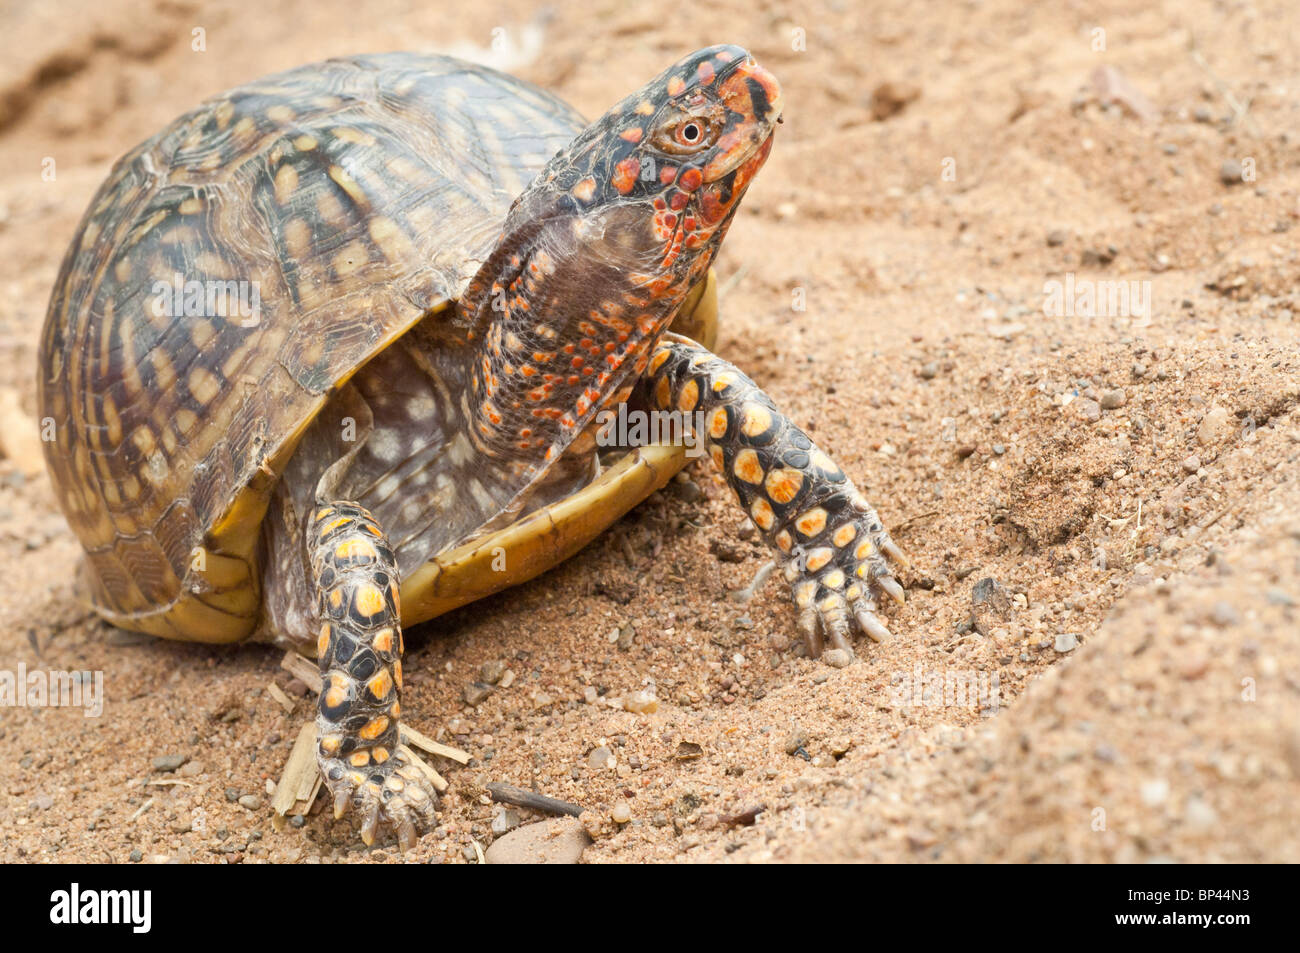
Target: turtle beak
753 97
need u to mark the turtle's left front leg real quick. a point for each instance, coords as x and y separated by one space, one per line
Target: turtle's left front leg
828 540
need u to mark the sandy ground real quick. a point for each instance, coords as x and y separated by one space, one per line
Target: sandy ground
1130 689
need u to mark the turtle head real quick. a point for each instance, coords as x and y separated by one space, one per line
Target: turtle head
601 249
653 183
674 158
647 191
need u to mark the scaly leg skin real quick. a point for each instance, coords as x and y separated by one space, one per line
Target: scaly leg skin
360 654
830 543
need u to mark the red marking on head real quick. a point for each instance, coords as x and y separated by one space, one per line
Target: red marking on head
711 206
632 135
666 174
705 73
675 85
585 190
678 201
690 180
625 173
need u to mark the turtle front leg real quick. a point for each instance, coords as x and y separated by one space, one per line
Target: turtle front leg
360 654
833 549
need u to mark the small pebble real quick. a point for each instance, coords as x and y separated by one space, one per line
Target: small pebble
169 762
1154 793
1191 464
1224 614
689 492
1113 398
1088 409
1200 815
1067 642
837 658
1215 428
640 703
504 820
1230 172
250 802
621 813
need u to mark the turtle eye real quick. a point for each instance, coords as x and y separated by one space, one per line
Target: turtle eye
687 135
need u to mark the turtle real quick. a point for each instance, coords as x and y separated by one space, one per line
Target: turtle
345 347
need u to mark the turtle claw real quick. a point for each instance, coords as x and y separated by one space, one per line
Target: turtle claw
393 795
870 623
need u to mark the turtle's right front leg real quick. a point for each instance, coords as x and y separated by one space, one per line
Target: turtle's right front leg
360 654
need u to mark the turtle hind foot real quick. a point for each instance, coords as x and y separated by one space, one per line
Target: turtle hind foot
394 795
359 651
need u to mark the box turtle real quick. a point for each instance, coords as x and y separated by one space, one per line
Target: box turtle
340 350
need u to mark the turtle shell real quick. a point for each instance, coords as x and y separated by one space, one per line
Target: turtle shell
235 270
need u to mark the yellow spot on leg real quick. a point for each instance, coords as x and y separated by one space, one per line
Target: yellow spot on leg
755 419
812 522
784 484
689 397
818 558
718 423
747 467
369 600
